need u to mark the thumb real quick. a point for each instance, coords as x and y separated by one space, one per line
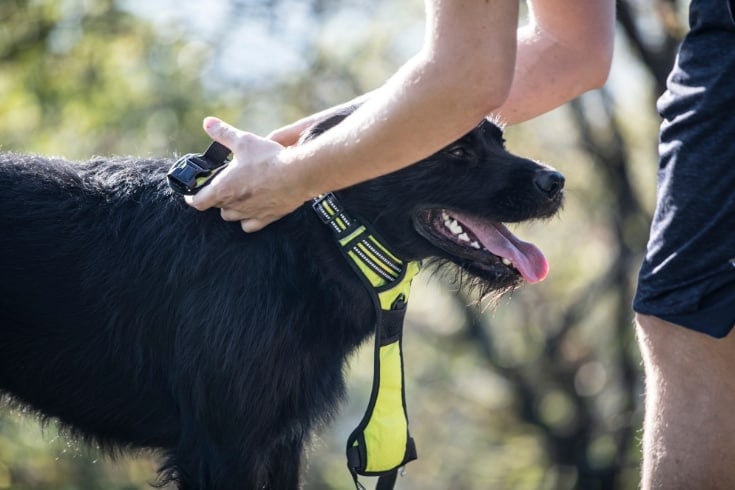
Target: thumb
222 132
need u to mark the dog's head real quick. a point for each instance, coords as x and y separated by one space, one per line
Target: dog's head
452 205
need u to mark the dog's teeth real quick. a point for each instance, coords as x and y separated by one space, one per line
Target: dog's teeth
445 216
464 237
476 245
454 227
507 261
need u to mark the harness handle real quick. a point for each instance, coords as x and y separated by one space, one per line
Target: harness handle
381 443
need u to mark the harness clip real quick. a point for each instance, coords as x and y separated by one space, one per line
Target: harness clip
399 303
193 171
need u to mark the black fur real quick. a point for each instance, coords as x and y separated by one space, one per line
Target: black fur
138 322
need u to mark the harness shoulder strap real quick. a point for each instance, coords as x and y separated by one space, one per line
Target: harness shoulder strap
381 443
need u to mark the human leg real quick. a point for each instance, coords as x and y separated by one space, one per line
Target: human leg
689 426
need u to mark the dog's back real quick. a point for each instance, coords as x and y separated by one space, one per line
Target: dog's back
142 322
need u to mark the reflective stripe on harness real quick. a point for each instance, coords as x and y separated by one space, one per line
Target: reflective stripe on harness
381 443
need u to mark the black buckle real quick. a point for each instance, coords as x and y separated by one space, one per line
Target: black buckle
318 205
339 213
193 171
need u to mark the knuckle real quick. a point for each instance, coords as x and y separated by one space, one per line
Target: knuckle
244 142
222 193
232 133
228 214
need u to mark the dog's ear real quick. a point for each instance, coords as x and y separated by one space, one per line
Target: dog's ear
327 123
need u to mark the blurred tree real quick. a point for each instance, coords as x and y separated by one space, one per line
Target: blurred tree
86 68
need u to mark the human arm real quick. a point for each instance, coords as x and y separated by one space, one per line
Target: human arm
463 71
564 50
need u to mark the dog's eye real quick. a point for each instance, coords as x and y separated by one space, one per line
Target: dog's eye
458 151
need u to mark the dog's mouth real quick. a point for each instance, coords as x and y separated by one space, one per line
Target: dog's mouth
486 247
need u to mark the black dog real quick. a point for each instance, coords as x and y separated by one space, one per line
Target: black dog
138 322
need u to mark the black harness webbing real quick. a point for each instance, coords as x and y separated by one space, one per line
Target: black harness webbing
381 443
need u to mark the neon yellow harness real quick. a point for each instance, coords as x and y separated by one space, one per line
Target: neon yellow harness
381 443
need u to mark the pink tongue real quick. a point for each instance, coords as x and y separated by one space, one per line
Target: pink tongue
526 257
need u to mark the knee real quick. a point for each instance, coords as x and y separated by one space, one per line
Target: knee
688 423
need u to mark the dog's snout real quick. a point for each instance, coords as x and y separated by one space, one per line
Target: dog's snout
550 182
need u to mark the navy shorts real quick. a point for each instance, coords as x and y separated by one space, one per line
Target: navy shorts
688 274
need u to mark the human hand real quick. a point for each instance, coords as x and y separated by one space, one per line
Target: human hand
253 187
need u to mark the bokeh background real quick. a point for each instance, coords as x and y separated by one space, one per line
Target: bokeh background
539 390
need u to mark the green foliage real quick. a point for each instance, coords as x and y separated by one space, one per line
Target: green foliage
83 78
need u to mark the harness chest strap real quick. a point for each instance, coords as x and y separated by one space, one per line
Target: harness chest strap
381 443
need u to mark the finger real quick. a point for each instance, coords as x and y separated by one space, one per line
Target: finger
223 133
189 200
288 135
229 214
252 225
228 135
204 199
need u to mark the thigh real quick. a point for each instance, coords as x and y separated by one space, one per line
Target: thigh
689 428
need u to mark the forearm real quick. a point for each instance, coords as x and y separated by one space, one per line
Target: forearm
407 119
558 59
435 98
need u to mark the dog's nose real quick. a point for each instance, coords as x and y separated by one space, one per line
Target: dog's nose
550 182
